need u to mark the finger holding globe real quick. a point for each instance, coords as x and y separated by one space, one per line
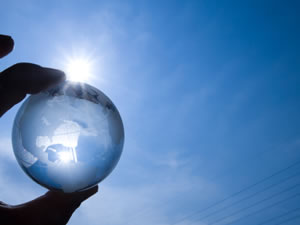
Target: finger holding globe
81 173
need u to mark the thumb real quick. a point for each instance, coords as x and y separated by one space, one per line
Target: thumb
3 204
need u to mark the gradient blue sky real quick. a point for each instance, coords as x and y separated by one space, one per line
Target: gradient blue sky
208 92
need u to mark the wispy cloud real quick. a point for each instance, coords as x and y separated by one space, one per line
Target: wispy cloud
6 151
147 205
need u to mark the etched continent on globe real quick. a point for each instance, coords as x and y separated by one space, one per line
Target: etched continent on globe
68 138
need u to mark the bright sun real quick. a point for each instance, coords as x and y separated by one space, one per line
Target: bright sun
78 70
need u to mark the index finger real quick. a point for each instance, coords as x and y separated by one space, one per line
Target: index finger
25 78
6 45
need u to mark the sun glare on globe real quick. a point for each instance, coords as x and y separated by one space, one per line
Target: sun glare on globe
78 70
65 157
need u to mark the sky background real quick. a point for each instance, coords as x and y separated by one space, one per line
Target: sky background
209 95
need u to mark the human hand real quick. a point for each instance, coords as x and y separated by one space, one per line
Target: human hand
23 78
53 208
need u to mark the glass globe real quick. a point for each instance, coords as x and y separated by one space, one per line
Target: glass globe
68 138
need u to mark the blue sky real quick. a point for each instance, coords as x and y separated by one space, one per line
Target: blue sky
208 92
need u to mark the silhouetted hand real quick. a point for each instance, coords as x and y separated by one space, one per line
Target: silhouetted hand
53 208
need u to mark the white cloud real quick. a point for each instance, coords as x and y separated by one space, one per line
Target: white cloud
6 151
172 160
145 204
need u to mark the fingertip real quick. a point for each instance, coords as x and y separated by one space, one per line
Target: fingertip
95 189
56 74
92 190
6 45
88 193
53 77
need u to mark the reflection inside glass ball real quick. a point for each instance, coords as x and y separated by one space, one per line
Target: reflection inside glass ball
68 138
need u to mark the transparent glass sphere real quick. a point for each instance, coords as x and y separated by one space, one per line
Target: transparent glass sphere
68 138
